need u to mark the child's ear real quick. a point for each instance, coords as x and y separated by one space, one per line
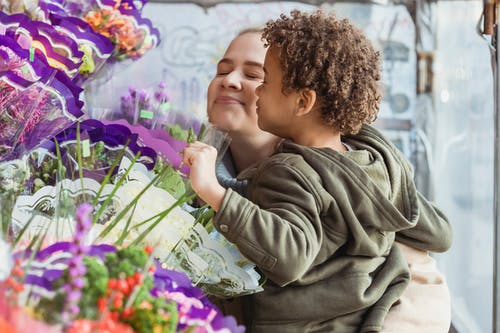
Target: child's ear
306 99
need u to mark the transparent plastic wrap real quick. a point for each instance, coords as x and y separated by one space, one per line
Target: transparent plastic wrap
214 264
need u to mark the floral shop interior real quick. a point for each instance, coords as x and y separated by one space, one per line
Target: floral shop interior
106 94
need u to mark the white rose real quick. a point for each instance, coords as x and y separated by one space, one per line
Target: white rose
165 234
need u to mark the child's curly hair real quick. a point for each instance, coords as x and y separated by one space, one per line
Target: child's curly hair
333 58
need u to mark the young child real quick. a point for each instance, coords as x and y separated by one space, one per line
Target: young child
324 209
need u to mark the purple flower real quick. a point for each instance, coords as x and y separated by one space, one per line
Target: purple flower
74 273
74 309
78 283
83 216
132 92
76 266
73 296
143 95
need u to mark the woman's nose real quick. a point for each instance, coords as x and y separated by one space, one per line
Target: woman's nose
232 80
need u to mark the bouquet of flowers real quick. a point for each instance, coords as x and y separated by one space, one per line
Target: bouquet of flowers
139 197
121 22
34 98
74 287
147 106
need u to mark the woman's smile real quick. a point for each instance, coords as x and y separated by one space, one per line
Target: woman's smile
228 100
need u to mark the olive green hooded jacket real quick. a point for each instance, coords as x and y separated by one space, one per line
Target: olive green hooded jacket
321 225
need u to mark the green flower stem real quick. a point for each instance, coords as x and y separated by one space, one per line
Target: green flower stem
117 218
179 202
117 186
109 173
79 158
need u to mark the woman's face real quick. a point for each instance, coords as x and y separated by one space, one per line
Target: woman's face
231 94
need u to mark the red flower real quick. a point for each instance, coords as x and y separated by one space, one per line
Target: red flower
106 325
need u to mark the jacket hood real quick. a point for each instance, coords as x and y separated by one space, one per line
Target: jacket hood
356 193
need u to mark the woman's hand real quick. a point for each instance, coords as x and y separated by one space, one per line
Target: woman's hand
200 158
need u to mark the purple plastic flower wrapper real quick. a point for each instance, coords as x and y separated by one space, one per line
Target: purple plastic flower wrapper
27 33
60 42
19 63
76 8
44 74
114 137
82 30
13 20
96 48
37 113
16 113
58 108
47 7
168 148
52 42
47 277
52 45
99 250
21 67
170 281
70 93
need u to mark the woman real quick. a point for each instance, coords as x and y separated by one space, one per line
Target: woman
231 106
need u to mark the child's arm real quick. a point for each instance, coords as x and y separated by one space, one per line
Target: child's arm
433 231
284 238
201 161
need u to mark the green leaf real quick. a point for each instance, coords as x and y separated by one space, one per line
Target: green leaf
201 133
191 137
171 181
177 132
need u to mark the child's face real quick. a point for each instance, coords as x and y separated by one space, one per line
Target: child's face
275 109
231 94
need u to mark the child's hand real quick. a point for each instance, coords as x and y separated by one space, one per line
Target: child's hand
201 158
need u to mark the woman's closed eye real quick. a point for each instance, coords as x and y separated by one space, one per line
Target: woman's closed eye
223 70
254 75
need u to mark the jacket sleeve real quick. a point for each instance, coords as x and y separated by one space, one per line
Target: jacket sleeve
432 232
280 231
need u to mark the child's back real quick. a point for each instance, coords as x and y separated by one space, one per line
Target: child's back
333 257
